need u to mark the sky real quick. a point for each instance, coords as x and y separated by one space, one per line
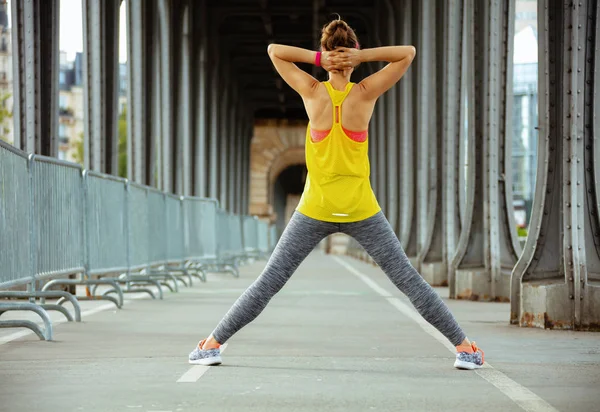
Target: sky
71 29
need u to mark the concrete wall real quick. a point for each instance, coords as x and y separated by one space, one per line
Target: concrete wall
275 145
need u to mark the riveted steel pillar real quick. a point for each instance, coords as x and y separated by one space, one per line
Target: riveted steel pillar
556 283
407 133
488 247
101 84
142 92
224 119
231 151
379 118
201 129
213 143
245 173
444 218
235 155
425 126
166 95
35 73
245 147
183 155
391 128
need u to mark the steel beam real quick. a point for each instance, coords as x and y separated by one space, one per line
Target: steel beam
136 92
406 128
556 282
101 84
165 31
246 141
424 131
213 143
183 112
487 249
436 257
235 167
379 116
156 139
224 119
201 120
231 151
35 75
391 118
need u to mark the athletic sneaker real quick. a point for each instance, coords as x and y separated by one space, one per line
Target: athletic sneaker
469 357
207 357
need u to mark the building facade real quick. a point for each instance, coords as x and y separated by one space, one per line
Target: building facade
6 78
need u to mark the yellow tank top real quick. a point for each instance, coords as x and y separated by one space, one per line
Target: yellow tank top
337 188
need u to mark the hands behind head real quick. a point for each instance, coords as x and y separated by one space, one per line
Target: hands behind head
340 59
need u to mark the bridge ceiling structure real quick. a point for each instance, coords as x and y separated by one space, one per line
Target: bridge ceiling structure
244 28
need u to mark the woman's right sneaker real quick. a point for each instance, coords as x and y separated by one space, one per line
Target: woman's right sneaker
208 357
469 357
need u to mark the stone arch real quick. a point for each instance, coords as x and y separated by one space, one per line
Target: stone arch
275 145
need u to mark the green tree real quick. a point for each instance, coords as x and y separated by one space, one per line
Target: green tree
78 155
122 126
5 115
122 145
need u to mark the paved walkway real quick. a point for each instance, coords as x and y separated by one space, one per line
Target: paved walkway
337 338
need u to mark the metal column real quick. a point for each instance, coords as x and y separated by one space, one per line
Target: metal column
201 129
235 148
424 131
406 104
138 18
379 116
435 259
213 148
246 162
555 282
35 75
232 152
101 84
183 155
166 98
487 249
391 129
224 119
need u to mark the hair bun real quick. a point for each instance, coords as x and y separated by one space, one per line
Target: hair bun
338 33
336 25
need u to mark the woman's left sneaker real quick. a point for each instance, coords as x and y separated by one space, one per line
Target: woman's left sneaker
208 357
469 357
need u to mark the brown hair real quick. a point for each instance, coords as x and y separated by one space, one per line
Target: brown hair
336 34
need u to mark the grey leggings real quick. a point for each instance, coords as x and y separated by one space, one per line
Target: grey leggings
376 236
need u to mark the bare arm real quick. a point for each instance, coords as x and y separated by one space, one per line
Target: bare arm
399 58
284 57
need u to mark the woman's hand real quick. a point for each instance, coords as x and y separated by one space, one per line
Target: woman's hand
347 57
340 59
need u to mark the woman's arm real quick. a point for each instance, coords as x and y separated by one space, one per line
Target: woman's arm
399 58
284 57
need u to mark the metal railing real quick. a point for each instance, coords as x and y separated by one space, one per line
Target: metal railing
62 225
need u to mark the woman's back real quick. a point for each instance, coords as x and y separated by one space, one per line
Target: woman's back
356 111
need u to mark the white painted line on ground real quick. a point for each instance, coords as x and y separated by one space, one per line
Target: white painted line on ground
519 394
196 371
20 334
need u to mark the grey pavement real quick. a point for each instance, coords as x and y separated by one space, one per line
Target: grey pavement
327 342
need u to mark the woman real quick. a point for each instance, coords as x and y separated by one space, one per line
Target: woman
338 196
